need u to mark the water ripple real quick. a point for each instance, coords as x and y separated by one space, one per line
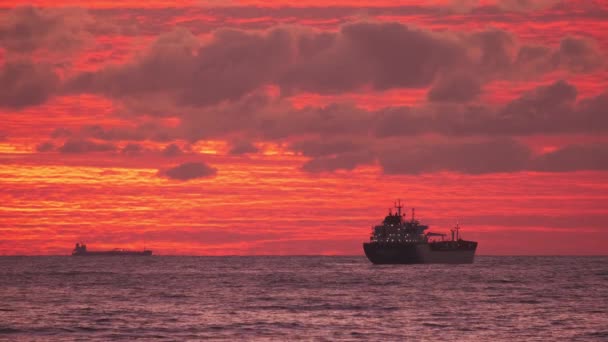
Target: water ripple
287 298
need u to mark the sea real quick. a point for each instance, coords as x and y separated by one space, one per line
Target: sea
310 298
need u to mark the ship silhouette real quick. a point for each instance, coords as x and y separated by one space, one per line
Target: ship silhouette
401 241
81 250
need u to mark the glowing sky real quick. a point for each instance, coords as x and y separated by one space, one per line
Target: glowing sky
243 127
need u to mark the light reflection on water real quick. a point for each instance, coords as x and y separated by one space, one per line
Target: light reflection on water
179 298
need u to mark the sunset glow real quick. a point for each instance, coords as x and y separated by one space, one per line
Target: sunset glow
242 127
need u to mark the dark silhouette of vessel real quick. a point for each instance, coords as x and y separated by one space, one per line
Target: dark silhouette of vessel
81 250
401 241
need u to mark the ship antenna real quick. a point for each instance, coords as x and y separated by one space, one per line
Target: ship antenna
398 206
413 212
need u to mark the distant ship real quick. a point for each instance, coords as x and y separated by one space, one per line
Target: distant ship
81 250
401 241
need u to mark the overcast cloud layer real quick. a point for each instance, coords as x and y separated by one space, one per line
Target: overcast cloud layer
238 85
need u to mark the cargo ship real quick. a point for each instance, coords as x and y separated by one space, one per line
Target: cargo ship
399 240
81 250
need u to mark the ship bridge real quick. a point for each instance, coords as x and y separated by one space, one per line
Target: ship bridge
395 228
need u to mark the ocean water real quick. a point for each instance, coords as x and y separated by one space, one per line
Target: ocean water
302 298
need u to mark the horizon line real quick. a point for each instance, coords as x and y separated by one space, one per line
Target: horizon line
304 255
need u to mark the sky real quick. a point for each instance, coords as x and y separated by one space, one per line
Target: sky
264 128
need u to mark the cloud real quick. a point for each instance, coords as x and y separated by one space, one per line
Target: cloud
573 158
548 109
73 146
383 55
455 88
579 55
504 5
217 87
338 128
492 52
172 150
25 29
146 131
61 132
575 54
333 154
232 64
132 149
340 161
242 147
477 157
320 148
25 83
526 5
189 170
499 155
45 147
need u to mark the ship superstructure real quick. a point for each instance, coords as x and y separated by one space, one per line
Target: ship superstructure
399 240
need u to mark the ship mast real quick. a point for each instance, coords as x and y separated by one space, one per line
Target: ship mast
455 232
398 206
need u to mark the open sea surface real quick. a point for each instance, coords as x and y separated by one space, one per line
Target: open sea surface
168 298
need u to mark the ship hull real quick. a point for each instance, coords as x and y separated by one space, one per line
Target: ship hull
420 253
114 253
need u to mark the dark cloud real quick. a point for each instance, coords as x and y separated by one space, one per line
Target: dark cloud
455 88
25 29
218 121
217 89
321 148
331 155
61 133
383 55
591 115
501 155
26 84
546 108
172 150
164 68
579 55
480 157
243 147
85 146
336 119
235 63
45 147
189 170
575 54
340 128
493 51
148 131
341 161
573 158
515 5
113 133
532 60
132 149
399 121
